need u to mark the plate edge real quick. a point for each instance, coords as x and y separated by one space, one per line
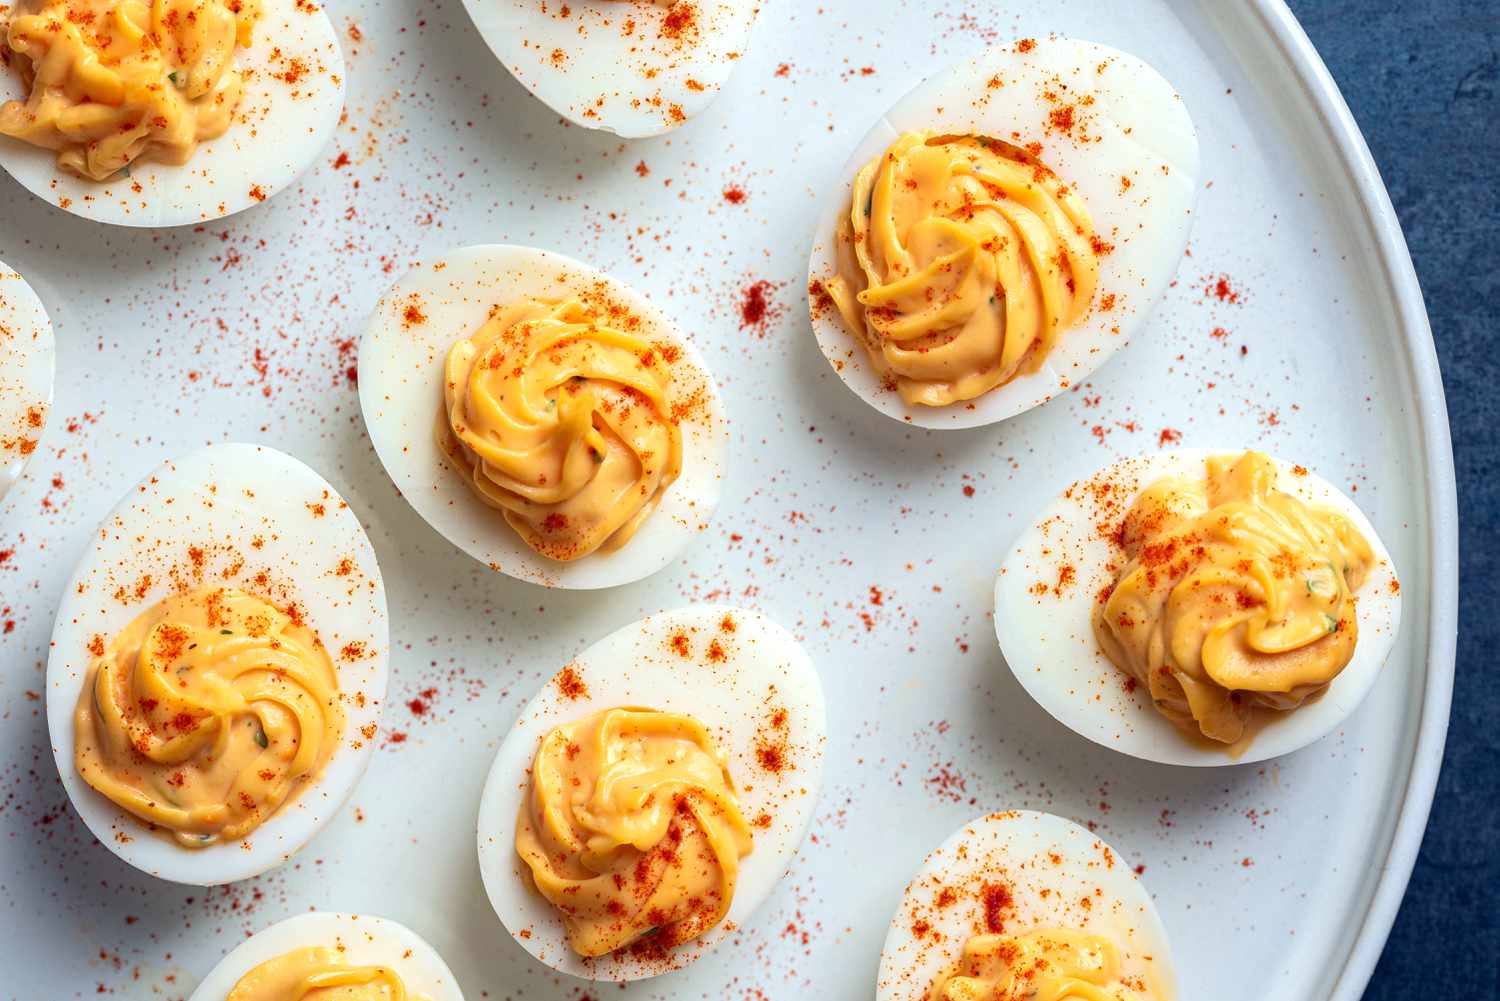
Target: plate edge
1283 30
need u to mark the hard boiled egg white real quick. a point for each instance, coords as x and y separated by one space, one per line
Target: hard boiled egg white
240 516
1051 580
632 67
27 362
294 94
1017 872
1123 123
363 940
734 670
401 391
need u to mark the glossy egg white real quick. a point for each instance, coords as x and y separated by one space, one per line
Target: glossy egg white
293 97
28 353
401 360
365 940
1045 631
631 67
1137 127
1057 875
250 510
731 668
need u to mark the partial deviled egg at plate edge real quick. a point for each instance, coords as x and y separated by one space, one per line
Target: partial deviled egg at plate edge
632 67
218 666
1060 578
1002 231
543 416
1025 900
352 951
27 361
284 92
740 702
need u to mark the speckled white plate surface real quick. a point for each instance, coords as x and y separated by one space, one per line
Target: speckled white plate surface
877 544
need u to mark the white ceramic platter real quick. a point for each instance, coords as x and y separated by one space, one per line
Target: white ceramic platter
877 544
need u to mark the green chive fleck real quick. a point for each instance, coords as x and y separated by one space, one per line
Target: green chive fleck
1333 624
226 632
176 78
260 737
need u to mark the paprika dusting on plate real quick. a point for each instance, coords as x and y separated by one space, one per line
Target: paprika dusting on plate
756 307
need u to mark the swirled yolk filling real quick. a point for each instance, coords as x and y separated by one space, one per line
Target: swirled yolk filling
319 973
207 714
632 826
1047 965
1235 596
961 260
111 82
562 422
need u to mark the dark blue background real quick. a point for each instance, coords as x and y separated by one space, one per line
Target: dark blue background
1423 78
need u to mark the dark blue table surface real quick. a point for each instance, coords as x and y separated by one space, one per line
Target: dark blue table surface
1423 78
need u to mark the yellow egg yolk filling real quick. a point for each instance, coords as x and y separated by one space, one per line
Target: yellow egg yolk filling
632 826
111 82
206 714
1047 965
961 260
319 973
1235 596
562 422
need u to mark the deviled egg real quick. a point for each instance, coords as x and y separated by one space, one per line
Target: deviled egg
632 67
543 416
1002 231
27 363
218 666
165 113
1199 607
652 794
1021 905
324 956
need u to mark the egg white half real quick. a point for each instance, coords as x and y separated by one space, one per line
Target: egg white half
629 67
401 362
27 364
1045 630
1136 127
293 97
1053 874
756 669
250 509
365 940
